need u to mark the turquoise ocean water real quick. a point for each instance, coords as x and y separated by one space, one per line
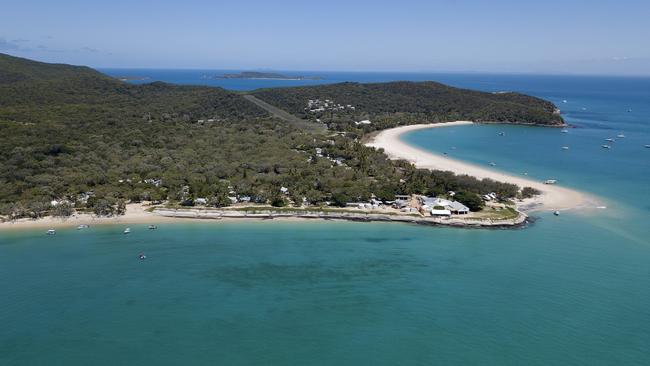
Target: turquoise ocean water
568 290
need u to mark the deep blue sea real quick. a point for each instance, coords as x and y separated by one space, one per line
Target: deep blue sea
568 290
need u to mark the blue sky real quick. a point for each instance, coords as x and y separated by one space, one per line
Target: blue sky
550 36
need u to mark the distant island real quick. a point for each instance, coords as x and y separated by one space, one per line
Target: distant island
261 75
133 78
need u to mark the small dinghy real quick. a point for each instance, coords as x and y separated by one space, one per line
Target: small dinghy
141 256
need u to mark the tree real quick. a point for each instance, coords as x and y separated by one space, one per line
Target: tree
120 207
103 208
63 209
278 201
528 192
472 200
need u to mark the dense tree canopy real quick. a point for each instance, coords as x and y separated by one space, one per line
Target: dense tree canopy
399 103
72 134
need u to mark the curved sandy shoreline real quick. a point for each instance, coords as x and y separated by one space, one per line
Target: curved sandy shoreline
553 197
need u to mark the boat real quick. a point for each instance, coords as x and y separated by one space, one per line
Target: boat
647 146
82 226
606 147
610 140
564 130
620 136
142 257
127 230
502 133
556 213
51 232
565 148
564 101
153 227
493 163
550 181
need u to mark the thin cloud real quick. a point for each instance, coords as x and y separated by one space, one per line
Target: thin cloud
89 49
10 45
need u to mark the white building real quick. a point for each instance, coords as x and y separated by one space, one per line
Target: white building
454 207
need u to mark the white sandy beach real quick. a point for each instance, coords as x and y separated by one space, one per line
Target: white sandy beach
553 197
135 214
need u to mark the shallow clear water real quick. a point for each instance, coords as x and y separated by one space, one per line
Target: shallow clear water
568 290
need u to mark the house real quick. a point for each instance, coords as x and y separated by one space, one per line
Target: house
284 190
490 196
440 212
458 208
364 122
454 207
400 203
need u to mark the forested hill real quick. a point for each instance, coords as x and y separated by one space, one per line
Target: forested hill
396 103
74 135
35 92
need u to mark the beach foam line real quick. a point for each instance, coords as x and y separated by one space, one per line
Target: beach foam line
553 197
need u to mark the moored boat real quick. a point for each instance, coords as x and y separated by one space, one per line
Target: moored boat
550 181
153 227
51 232
127 230
606 147
565 148
82 226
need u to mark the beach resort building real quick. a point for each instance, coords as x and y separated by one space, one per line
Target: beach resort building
440 206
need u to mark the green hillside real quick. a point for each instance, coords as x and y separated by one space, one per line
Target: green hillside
398 103
69 132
